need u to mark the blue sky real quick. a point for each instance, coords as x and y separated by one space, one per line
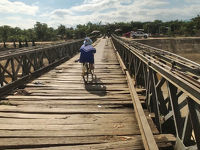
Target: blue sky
25 13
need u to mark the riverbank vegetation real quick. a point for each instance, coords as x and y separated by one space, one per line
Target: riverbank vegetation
42 32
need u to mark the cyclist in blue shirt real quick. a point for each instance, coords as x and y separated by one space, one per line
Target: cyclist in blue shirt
87 53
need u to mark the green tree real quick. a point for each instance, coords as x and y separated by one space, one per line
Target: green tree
31 36
136 25
196 25
4 32
41 30
80 31
51 34
69 33
61 31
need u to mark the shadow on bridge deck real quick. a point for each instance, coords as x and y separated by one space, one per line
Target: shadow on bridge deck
96 87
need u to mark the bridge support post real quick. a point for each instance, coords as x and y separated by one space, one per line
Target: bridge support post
25 66
1 77
14 75
155 100
195 118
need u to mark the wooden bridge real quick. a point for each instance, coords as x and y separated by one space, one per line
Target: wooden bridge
58 111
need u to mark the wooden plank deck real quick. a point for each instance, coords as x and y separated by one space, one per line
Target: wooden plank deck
58 111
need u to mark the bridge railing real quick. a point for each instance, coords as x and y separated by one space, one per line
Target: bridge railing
173 97
21 65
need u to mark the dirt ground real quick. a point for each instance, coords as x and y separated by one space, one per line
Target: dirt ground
194 56
9 45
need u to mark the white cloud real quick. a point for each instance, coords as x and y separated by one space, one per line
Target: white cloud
193 1
150 3
17 8
18 22
106 11
93 10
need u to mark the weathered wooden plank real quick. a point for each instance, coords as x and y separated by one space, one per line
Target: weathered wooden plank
68 99
93 110
78 107
65 127
78 69
96 142
114 86
76 85
84 142
60 97
78 75
71 132
75 78
96 72
98 103
79 94
69 119
72 92
22 115
82 82
87 88
99 75
96 66
101 93
61 91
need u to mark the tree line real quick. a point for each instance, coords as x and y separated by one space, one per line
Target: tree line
42 32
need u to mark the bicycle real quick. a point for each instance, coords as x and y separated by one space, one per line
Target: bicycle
86 70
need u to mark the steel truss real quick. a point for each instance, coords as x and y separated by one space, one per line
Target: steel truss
174 101
19 66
